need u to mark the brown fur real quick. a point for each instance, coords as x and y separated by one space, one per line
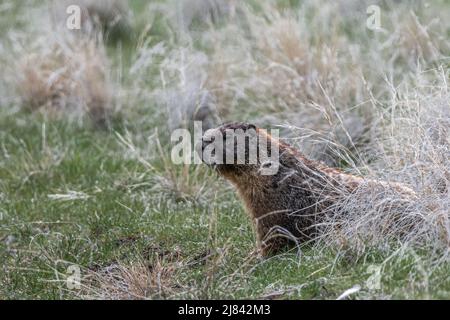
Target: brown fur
287 207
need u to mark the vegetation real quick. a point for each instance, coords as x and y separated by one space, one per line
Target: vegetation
86 179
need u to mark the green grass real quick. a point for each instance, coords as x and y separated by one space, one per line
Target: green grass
119 223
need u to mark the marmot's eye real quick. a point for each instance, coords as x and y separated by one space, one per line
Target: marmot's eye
266 165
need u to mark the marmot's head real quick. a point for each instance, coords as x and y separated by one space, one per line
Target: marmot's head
239 150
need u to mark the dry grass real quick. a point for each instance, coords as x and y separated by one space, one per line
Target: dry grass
138 281
64 76
414 149
206 12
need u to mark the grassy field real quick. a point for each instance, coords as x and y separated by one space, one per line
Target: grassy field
107 200
70 196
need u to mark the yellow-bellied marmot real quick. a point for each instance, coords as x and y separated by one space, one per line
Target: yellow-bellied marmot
286 206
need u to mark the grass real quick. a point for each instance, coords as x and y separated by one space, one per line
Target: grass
108 200
108 217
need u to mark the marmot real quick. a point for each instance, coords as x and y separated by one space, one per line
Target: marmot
287 206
